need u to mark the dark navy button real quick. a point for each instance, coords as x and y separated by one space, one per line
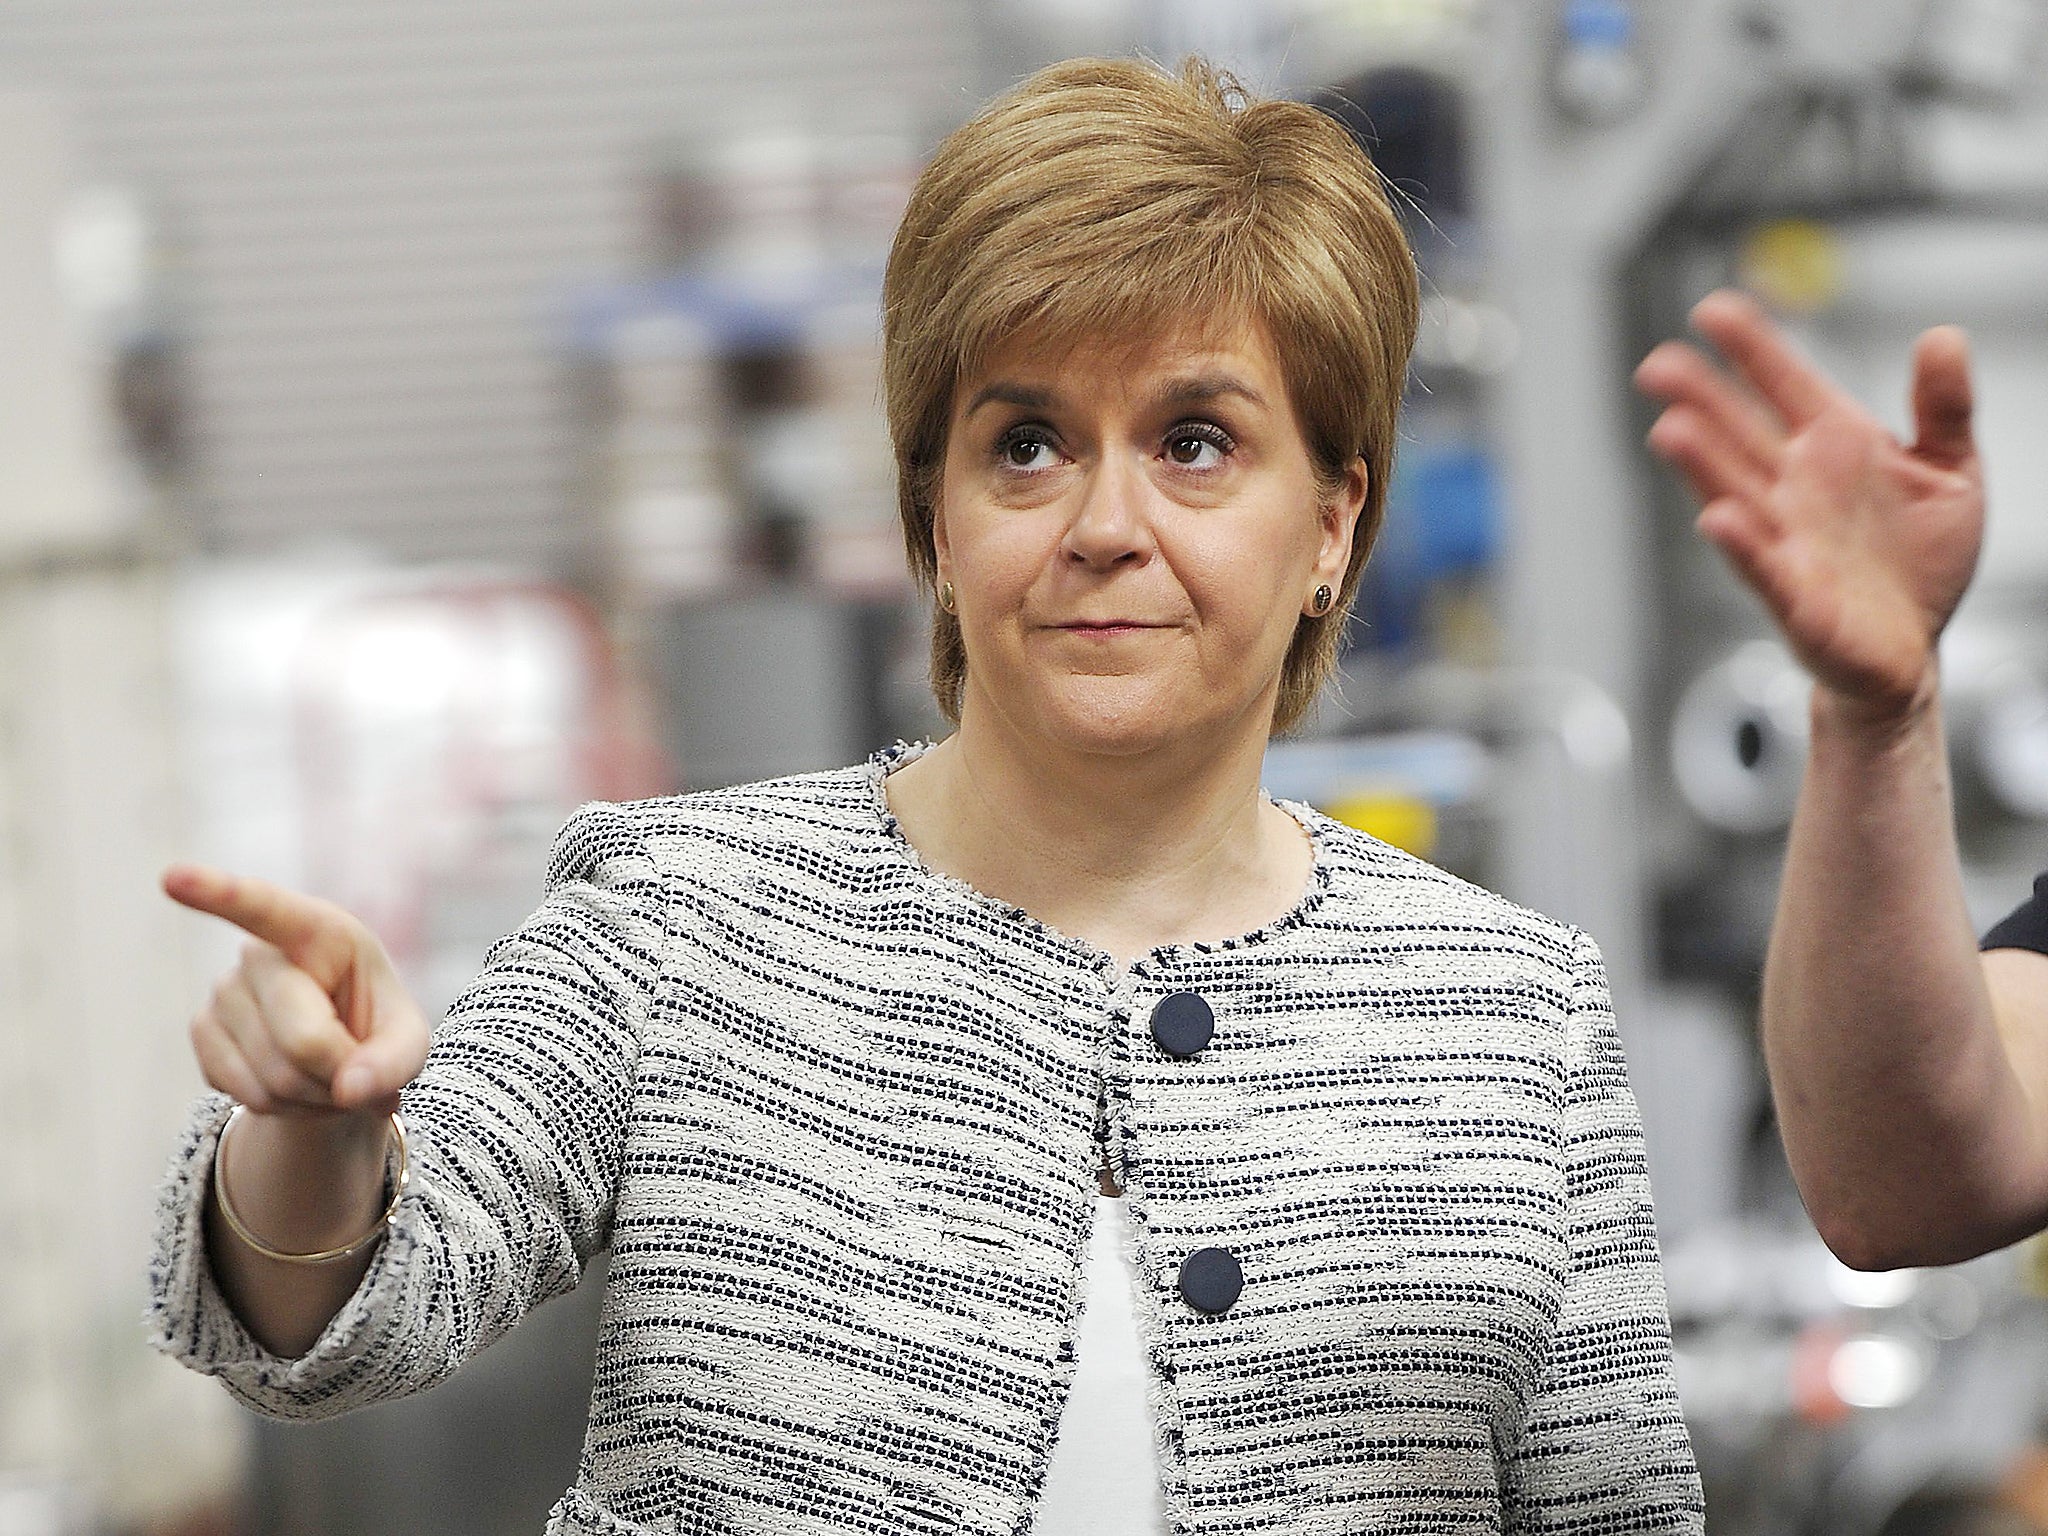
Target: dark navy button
1183 1023
1210 1280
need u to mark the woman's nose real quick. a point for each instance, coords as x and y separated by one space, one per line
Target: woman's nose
1108 525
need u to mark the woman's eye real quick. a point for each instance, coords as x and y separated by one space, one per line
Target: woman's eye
1024 448
1198 447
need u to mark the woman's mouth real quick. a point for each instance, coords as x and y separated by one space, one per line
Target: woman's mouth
1105 627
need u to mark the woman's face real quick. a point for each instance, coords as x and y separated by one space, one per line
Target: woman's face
1132 534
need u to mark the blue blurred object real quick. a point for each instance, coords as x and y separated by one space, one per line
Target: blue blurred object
1599 24
1599 77
1443 521
736 315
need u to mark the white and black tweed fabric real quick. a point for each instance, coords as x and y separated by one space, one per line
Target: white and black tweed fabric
839 1119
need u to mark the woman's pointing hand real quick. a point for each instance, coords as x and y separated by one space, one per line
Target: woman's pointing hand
313 1020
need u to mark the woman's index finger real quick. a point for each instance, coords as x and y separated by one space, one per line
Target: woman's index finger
1744 334
313 934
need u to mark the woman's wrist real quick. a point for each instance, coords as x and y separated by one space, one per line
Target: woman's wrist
305 1183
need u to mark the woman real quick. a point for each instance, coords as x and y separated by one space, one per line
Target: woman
841 1067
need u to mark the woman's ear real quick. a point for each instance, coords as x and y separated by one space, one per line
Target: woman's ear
1339 517
942 551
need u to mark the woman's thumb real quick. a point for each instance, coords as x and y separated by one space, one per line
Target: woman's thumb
358 1084
390 1058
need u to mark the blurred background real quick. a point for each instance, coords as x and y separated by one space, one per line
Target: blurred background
417 420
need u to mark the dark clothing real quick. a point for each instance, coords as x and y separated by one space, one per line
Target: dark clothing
2026 928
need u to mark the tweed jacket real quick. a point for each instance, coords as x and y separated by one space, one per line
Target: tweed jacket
838 1118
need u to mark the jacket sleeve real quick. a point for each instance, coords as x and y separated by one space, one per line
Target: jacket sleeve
1603 1448
515 1124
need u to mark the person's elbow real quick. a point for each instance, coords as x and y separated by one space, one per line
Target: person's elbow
1952 1231
1866 1244
1874 1218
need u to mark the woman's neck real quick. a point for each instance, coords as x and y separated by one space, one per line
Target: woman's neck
1125 851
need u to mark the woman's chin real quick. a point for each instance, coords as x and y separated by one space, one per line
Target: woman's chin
1118 716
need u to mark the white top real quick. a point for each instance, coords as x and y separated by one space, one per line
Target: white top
1104 1478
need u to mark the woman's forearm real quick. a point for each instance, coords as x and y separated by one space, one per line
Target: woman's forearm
1907 1128
301 1184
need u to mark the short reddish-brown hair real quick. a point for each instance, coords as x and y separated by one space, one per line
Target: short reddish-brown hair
1105 198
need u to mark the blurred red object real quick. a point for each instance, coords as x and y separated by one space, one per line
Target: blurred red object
1814 1397
441 731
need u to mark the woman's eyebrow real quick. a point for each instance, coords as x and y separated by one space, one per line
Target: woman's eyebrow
1030 397
1193 389
1199 389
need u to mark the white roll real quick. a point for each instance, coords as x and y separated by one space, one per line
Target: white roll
1738 741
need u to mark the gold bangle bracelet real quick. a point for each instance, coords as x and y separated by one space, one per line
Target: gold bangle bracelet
325 1255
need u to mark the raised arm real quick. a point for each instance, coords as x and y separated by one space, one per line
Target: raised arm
314 1035
1912 1094
516 1123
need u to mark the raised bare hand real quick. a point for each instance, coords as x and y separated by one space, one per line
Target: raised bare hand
1860 545
313 1020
